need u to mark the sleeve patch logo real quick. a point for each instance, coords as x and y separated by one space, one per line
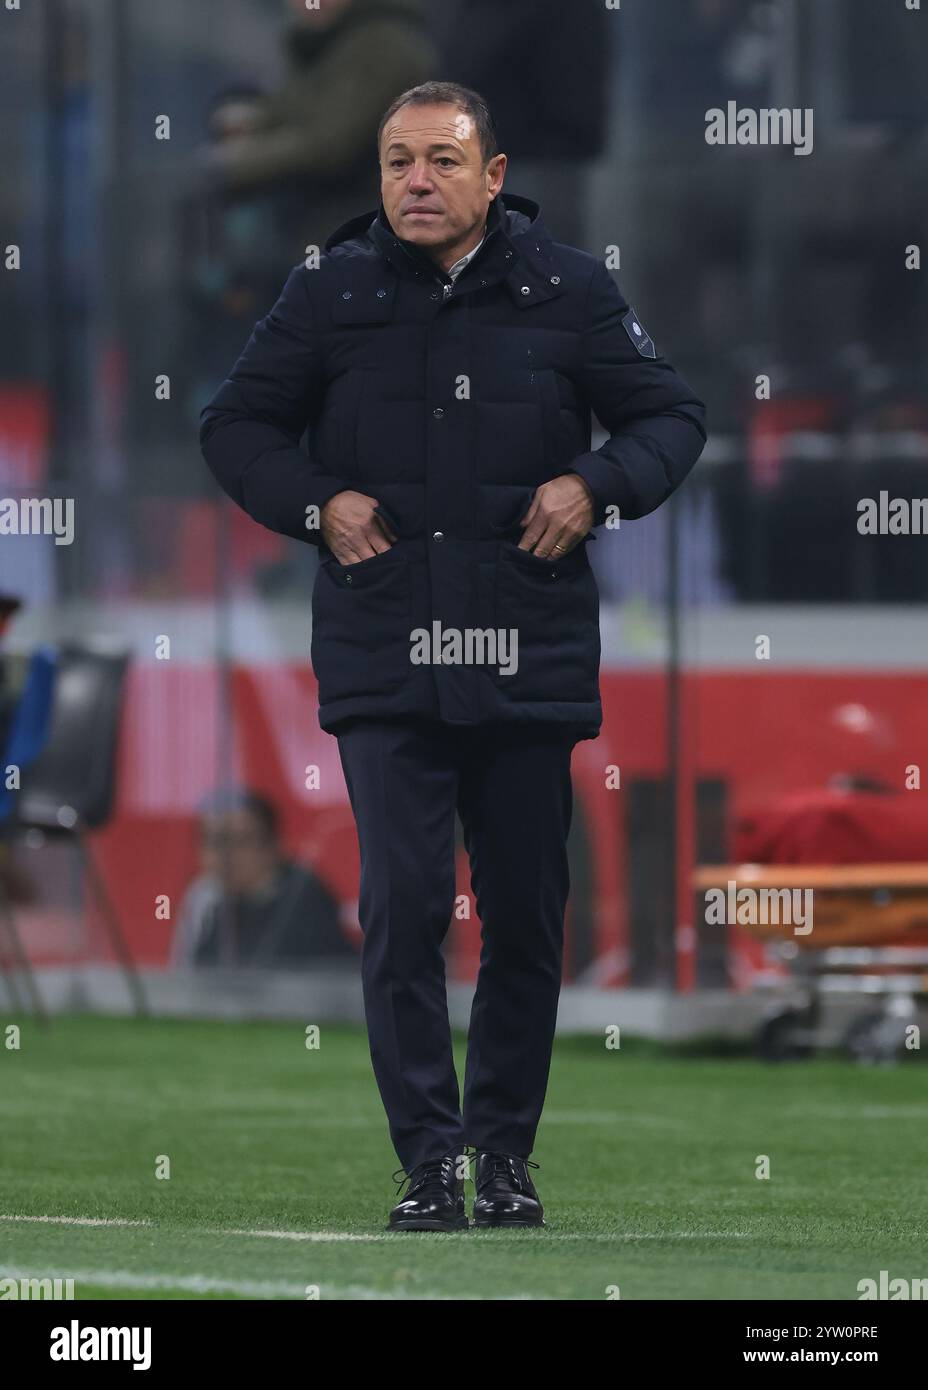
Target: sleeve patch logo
638 334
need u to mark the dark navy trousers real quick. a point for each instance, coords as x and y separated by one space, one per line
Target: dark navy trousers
510 785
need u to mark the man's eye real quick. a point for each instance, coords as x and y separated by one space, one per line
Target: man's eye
446 159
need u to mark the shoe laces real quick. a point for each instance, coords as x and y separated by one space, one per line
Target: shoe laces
498 1164
431 1172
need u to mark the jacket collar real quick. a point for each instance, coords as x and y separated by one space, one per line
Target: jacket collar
516 249
407 255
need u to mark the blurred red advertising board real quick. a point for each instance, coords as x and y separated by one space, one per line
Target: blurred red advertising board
24 425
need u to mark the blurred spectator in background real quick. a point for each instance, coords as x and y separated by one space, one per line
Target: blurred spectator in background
235 250
286 168
543 68
314 140
252 906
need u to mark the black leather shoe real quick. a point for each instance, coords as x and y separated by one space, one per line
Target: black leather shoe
435 1199
506 1195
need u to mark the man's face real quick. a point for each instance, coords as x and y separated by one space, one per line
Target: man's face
434 187
237 850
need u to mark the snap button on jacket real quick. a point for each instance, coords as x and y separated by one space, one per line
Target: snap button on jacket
450 403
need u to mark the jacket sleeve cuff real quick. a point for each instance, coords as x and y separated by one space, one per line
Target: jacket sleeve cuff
321 490
600 478
283 506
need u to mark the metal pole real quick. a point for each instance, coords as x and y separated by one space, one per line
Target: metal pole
674 966
54 174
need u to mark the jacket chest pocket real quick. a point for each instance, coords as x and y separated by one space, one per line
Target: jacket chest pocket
361 626
367 306
550 612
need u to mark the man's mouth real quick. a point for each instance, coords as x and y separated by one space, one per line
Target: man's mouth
422 212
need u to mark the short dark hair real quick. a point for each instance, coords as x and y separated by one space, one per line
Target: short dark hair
261 809
453 94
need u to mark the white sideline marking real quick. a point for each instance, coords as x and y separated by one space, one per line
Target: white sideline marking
189 1283
79 1220
202 1283
322 1236
498 1232
328 1237
871 1112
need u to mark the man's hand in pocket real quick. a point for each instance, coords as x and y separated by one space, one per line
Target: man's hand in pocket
351 528
560 516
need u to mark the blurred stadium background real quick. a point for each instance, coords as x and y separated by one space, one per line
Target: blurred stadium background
162 659
168 852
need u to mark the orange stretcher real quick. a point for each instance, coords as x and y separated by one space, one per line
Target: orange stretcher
869 938
852 904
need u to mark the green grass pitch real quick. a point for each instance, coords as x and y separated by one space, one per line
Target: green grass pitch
280 1172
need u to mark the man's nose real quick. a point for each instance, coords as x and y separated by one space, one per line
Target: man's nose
420 177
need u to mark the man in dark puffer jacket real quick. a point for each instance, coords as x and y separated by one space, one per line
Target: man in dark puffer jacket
445 355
